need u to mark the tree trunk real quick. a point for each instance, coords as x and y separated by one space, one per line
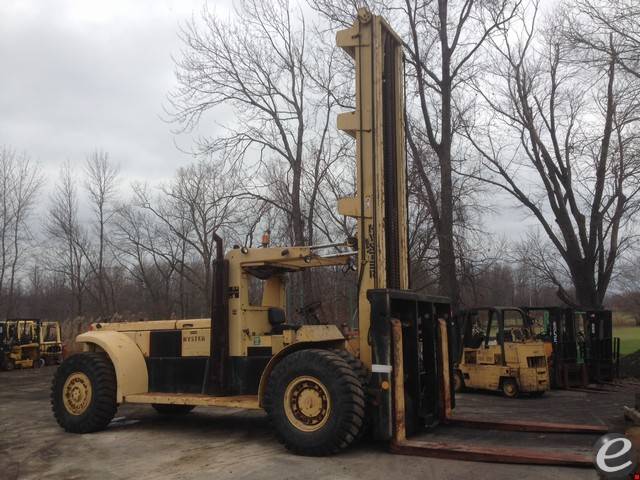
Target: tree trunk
446 255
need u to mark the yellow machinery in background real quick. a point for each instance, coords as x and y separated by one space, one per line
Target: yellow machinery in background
28 343
50 343
500 352
19 344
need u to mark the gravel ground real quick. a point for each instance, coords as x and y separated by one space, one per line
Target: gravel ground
206 444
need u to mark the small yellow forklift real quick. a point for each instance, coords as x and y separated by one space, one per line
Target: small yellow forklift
499 352
19 344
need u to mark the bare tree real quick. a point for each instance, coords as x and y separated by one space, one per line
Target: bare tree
443 41
577 167
101 185
201 200
151 254
20 181
67 242
282 92
628 286
607 29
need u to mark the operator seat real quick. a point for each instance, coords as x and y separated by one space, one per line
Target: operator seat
277 320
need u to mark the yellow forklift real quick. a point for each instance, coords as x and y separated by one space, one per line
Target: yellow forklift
50 343
500 353
19 344
319 388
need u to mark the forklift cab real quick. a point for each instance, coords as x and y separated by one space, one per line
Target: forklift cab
50 343
493 326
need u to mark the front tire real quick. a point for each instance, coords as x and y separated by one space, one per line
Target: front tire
315 402
510 388
83 393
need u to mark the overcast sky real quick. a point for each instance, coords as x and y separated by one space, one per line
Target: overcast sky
93 74
86 74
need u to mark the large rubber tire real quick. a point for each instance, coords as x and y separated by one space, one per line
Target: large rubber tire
510 388
346 400
364 376
101 408
165 409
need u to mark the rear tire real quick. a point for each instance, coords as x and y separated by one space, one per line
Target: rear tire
458 381
165 409
510 388
83 393
315 402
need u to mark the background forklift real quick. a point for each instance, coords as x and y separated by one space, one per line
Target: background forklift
19 344
50 343
579 345
318 388
29 342
499 352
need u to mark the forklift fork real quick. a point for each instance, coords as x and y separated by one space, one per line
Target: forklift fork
400 444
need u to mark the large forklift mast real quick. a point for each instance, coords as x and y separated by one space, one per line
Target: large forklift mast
400 334
377 124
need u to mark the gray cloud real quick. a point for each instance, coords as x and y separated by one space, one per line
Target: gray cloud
92 74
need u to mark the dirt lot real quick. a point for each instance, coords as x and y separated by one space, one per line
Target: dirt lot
211 443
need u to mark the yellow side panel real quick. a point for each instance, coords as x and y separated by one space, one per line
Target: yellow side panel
133 326
277 344
318 333
273 293
143 341
127 359
196 343
194 323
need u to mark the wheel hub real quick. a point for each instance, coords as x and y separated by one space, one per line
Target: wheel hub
510 388
307 403
77 393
